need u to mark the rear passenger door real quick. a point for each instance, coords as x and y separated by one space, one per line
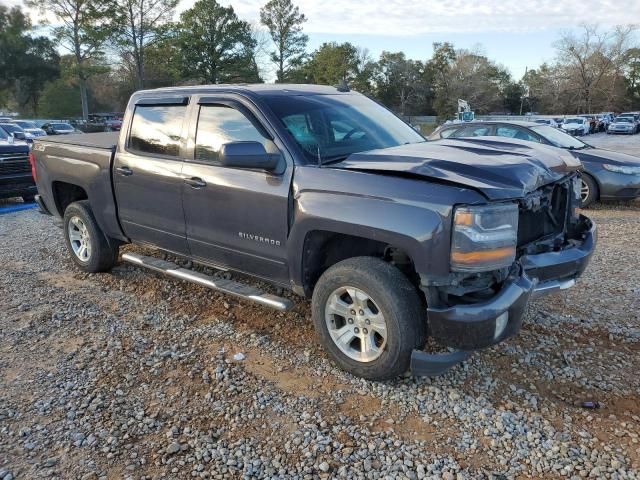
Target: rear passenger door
147 174
235 217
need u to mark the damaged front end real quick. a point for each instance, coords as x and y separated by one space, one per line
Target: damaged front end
470 310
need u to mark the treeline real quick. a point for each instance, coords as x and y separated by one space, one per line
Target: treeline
99 52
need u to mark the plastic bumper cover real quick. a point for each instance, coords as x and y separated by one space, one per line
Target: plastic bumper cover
469 327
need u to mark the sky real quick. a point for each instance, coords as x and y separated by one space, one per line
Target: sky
515 33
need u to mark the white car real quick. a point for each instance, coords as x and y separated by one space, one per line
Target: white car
547 121
575 126
624 125
30 127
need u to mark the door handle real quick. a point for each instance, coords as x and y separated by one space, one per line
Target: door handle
125 171
195 182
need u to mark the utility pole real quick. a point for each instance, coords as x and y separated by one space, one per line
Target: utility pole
526 69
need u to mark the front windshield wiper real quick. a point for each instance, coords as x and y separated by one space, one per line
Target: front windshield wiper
337 158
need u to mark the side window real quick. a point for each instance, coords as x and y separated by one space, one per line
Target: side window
219 124
157 129
515 132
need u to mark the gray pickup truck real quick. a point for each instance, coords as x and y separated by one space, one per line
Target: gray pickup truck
327 193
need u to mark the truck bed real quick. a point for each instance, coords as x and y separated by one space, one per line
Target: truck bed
83 162
102 140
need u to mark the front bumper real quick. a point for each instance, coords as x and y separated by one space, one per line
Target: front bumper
479 325
617 186
11 190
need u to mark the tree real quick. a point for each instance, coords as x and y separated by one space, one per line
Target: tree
632 76
332 63
59 99
82 29
471 76
138 25
400 81
438 75
594 60
215 45
26 62
284 22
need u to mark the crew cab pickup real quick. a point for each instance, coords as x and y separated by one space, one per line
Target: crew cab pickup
327 193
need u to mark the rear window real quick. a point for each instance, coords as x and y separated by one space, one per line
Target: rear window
472 131
24 124
157 129
448 132
61 126
11 128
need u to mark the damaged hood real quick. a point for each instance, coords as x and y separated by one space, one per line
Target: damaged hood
497 167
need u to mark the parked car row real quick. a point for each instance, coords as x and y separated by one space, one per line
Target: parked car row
627 123
579 125
607 175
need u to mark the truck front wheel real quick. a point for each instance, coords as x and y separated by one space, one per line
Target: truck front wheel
369 317
89 247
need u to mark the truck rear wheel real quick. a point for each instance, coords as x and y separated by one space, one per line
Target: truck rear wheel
89 247
369 317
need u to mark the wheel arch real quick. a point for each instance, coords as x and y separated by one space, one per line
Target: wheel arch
65 193
324 223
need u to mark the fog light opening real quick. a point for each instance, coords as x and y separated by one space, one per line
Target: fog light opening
501 324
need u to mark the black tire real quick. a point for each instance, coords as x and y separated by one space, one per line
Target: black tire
593 190
28 198
397 300
104 251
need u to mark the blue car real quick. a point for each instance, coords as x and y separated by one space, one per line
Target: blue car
607 175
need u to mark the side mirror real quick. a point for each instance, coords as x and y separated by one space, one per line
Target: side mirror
19 136
249 155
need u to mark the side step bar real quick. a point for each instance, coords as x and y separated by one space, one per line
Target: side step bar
225 286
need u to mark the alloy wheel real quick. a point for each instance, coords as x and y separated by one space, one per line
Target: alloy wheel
584 191
79 238
356 324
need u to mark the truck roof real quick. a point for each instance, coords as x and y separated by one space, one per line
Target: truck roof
253 89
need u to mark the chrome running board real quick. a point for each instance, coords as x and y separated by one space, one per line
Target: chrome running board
221 285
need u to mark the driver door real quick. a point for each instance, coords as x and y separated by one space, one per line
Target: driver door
235 217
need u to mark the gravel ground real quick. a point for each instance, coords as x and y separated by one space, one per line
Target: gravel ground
132 375
620 143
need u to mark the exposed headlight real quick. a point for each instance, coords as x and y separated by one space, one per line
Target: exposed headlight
622 169
484 237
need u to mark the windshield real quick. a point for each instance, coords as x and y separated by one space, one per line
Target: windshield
332 127
11 128
3 134
624 120
573 120
61 126
558 138
24 124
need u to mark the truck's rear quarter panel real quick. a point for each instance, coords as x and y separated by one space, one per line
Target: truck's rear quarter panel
84 161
